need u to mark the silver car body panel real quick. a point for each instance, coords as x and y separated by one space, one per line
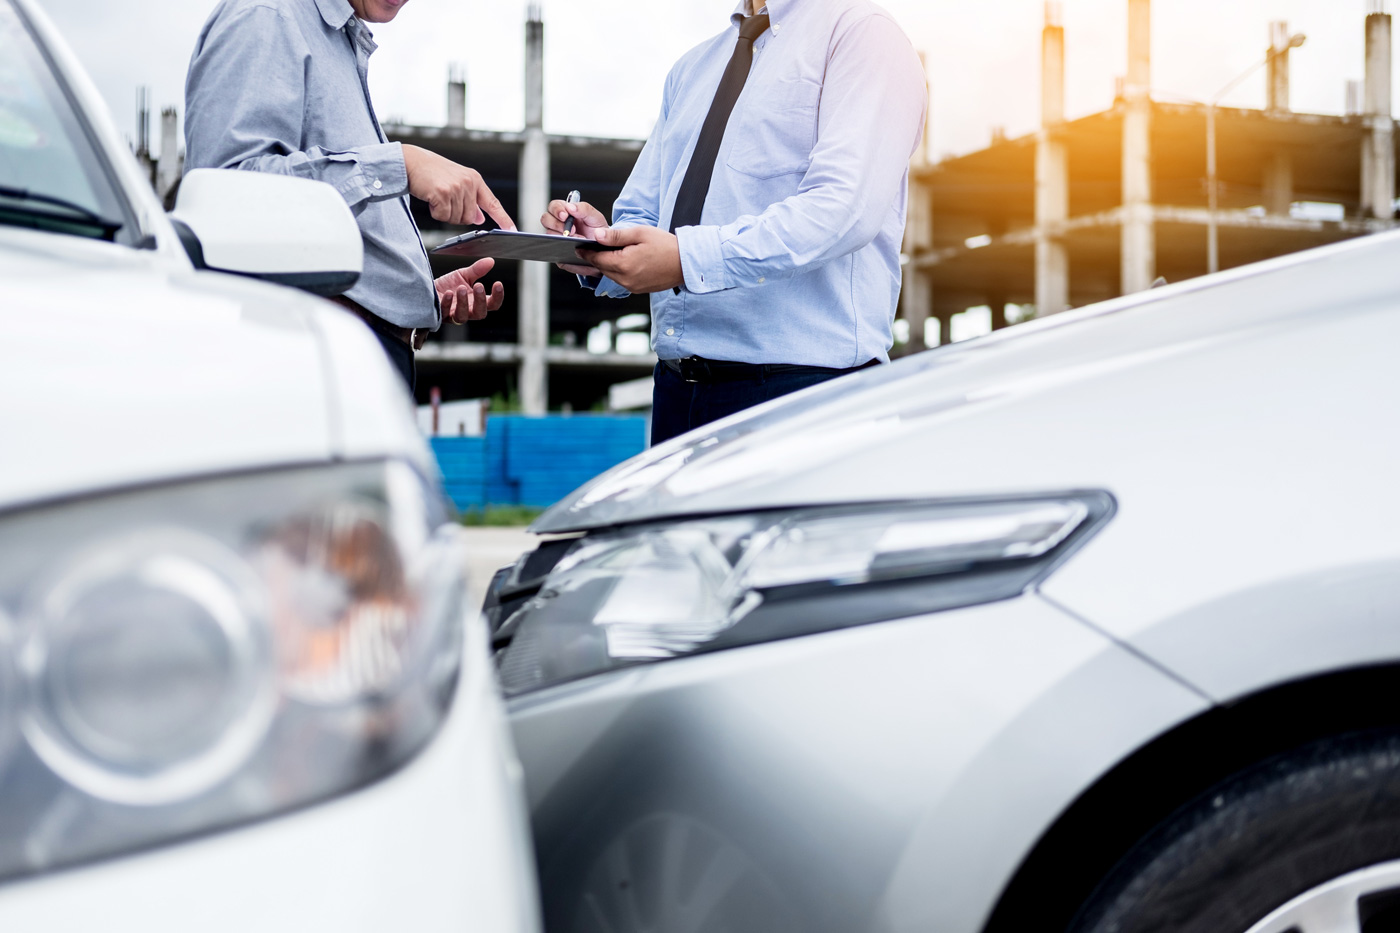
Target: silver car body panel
893 777
775 787
1030 407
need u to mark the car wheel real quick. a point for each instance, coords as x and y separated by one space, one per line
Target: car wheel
1308 842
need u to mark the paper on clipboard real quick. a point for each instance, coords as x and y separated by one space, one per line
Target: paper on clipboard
512 244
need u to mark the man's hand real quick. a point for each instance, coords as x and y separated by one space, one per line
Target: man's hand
588 220
649 260
455 194
464 298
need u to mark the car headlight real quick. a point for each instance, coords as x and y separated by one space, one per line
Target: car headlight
188 657
653 592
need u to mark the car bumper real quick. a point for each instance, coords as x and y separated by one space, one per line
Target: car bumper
886 777
440 845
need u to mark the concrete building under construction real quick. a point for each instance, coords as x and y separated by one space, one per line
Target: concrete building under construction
537 346
1104 205
1080 211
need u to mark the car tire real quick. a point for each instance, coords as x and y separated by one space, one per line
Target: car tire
1274 849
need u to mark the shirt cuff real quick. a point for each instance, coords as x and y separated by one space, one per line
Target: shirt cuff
605 287
382 171
702 263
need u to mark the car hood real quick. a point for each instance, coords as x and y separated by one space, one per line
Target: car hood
1030 408
119 367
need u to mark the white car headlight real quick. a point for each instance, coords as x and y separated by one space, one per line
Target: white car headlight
192 656
655 592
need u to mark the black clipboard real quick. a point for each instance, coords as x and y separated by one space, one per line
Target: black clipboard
512 244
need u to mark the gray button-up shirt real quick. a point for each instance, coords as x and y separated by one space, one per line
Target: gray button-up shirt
282 86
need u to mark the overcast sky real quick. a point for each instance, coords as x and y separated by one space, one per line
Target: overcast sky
606 59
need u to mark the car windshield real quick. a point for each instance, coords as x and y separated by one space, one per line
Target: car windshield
51 177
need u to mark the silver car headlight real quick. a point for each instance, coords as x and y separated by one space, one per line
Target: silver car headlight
193 656
649 593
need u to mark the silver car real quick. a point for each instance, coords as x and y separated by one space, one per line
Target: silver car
1092 624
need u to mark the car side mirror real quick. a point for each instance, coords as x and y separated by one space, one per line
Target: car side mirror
292 231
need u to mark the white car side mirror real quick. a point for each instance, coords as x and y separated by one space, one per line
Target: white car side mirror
292 231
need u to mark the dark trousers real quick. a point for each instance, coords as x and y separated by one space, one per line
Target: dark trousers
401 355
678 406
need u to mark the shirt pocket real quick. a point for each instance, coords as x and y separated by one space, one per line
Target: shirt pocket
776 130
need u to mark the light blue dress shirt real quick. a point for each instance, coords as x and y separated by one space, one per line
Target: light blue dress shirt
797 256
282 86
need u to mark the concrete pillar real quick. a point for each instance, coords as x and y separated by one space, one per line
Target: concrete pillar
1051 174
171 162
916 291
1278 67
534 199
945 328
1378 151
997 302
1278 183
1278 164
1139 247
1353 98
456 97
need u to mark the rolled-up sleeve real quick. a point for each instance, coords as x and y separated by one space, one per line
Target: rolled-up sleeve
245 98
872 114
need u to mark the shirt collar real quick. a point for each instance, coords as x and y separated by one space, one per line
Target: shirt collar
776 10
336 13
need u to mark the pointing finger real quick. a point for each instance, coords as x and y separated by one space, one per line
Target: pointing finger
488 202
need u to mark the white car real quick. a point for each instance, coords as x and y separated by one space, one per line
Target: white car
1090 625
241 684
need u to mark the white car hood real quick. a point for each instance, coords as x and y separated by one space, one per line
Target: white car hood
119 367
1032 408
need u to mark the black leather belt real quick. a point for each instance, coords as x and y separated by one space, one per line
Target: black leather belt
699 369
413 336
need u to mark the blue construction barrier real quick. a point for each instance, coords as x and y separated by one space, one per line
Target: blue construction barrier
535 461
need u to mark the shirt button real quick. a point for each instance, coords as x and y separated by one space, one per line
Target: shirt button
762 280
378 184
670 332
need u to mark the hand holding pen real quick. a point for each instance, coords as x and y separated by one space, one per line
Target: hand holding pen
573 217
573 198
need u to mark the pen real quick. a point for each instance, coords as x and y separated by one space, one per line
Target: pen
573 198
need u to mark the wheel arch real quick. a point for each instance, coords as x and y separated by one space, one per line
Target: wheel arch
1103 824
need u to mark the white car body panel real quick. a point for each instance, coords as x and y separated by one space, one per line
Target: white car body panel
417 851
177 375
88 99
372 411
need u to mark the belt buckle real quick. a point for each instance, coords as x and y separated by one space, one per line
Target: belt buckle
417 337
691 368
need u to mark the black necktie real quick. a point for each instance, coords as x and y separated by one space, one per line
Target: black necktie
690 202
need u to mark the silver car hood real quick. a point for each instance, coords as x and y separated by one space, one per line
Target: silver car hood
896 432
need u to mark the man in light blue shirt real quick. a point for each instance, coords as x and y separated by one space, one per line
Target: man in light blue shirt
766 213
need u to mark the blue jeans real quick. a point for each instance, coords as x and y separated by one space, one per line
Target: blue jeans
678 406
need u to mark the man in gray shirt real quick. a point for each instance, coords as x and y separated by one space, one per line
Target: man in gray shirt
282 86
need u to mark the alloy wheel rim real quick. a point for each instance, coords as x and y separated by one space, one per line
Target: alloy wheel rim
1334 906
